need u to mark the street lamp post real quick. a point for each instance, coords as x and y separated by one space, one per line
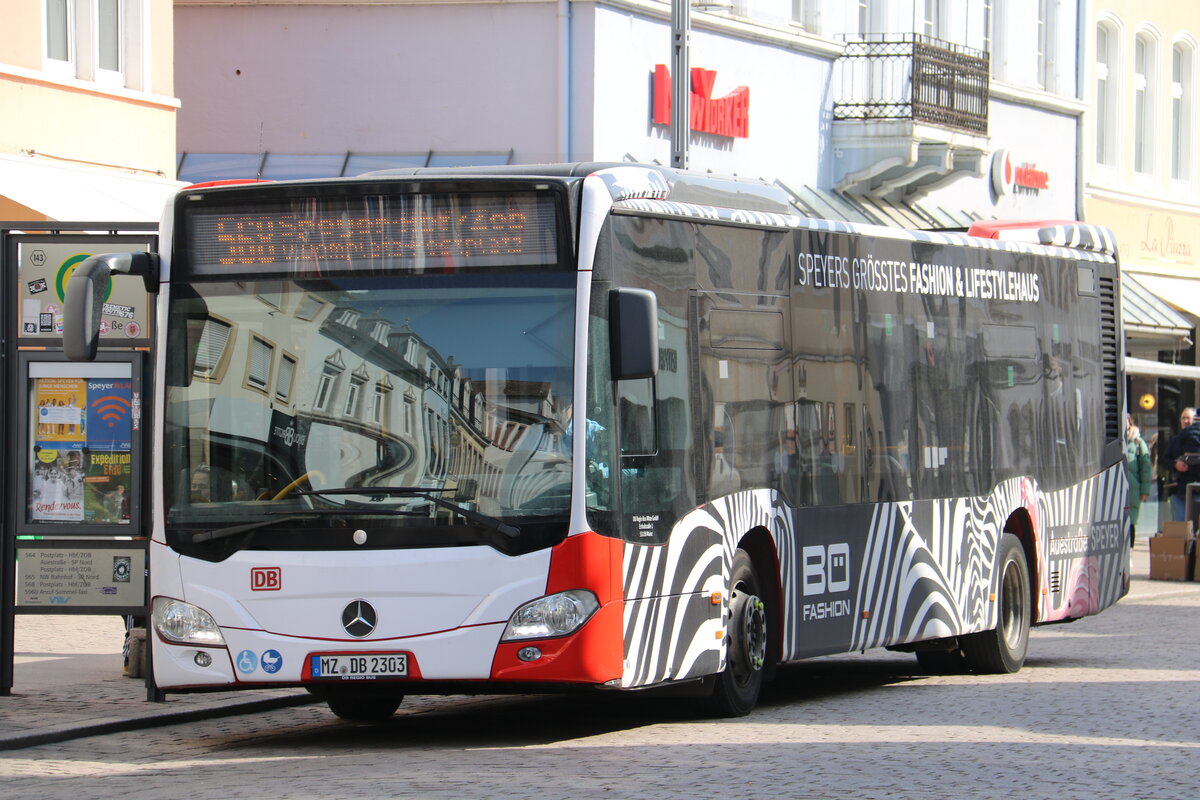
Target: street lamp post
681 22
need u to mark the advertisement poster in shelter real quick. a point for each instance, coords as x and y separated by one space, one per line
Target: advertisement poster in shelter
82 453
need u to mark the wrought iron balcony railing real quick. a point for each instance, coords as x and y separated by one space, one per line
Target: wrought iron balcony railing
910 76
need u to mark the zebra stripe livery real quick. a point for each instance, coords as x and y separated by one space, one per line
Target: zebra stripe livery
859 577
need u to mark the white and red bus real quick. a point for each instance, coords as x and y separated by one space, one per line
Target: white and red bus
611 426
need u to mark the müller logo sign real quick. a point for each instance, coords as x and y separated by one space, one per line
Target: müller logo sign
1017 178
720 116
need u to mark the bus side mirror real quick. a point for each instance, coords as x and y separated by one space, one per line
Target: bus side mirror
633 333
84 298
85 295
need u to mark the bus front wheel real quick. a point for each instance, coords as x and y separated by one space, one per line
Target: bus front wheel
1003 648
738 686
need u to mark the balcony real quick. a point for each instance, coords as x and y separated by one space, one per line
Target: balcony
908 111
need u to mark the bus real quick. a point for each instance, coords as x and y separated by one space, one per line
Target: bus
610 427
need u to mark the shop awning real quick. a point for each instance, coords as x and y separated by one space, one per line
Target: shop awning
65 193
1182 294
1145 313
1143 366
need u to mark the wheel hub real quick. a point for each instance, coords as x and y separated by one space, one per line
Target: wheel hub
749 634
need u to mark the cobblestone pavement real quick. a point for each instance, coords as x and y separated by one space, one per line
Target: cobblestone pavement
68 683
1105 708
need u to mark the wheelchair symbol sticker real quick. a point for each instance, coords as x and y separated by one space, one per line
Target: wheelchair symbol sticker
246 661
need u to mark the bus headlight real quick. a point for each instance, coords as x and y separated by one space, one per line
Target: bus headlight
553 615
184 623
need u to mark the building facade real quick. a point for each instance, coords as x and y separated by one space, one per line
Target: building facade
1141 173
89 124
916 113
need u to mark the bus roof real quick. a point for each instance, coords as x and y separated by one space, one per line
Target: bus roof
652 188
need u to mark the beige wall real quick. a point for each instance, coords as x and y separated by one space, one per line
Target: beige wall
87 125
1151 237
80 120
20 35
1167 22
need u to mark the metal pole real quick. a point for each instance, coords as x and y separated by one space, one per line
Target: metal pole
681 23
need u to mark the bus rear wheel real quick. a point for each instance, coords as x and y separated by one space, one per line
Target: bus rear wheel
1003 648
738 686
363 706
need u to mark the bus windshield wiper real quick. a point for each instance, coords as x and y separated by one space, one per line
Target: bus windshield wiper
425 493
234 530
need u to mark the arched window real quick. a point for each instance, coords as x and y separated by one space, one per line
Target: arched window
1106 95
1143 104
1181 112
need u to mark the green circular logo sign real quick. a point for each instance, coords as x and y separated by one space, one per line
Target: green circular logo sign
64 274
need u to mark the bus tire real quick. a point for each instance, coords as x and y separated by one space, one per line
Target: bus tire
737 687
136 666
1003 648
363 707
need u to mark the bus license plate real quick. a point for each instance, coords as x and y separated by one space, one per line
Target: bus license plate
358 665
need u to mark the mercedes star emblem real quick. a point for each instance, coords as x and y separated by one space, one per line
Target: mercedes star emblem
359 619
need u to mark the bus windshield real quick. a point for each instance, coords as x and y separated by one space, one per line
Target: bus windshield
413 409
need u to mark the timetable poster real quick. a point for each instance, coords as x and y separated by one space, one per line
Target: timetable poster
83 458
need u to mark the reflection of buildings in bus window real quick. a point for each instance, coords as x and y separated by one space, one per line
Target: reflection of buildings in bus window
258 364
309 307
380 400
286 378
211 350
358 379
443 426
327 381
409 417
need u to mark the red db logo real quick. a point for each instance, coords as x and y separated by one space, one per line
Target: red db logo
266 579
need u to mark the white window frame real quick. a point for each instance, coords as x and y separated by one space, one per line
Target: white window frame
1183 103
989 23
59 67
1047 41
84 24
865 17
806 14
1107 82
106 76
933 19
1145 104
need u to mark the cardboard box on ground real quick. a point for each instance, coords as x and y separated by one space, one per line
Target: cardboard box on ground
1173 553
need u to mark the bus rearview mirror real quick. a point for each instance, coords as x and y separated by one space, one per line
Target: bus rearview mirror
633 332
84 299
85 295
